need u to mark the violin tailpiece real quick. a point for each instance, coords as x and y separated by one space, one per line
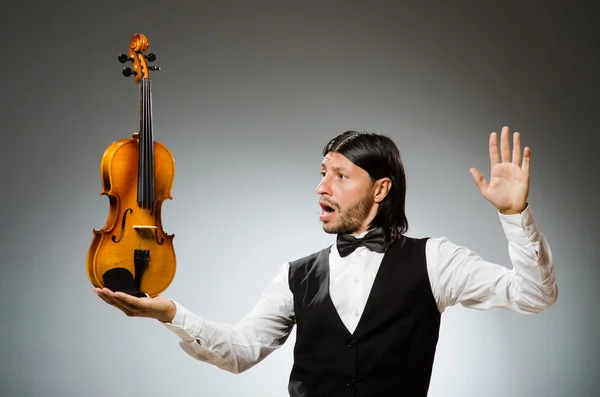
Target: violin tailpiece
141 259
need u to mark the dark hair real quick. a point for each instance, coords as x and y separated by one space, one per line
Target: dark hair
379 156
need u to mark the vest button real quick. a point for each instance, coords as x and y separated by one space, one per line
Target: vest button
351 343
351 382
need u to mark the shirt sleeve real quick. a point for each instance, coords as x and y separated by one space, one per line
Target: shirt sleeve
238 347
459 275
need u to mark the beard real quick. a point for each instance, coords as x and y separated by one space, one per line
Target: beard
351 219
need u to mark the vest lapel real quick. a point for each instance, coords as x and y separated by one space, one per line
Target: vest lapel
325 280
380 290
377 295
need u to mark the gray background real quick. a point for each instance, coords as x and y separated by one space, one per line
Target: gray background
249 93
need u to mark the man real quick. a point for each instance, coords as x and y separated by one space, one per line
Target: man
368 317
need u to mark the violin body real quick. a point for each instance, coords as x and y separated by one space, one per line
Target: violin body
132 253
115 245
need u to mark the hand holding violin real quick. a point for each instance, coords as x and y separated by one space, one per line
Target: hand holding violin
158 308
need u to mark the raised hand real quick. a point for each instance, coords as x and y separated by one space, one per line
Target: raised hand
157 308
508 187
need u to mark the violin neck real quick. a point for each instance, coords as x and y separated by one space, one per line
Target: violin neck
145 195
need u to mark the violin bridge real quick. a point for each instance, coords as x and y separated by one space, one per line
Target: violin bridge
145 231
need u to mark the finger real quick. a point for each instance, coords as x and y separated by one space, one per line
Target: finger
126 301
479 180
516 157
505 145
104 294
494 158
106 297
116 299
526 159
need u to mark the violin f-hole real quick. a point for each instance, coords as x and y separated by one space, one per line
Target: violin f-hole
114 239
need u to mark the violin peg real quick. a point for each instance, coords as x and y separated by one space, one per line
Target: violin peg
128 72
124 58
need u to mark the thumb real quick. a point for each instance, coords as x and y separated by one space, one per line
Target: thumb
479 180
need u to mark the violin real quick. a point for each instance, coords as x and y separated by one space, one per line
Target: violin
132 253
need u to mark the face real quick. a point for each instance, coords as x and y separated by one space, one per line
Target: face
349 200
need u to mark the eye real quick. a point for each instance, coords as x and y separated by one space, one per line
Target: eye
342 176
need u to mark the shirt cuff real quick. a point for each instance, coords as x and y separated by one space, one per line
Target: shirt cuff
183 326
520 228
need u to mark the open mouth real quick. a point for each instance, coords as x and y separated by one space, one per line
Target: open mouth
327 208
326 211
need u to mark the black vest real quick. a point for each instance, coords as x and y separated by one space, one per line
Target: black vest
392 349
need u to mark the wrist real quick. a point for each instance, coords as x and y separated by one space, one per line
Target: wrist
169 313
513 211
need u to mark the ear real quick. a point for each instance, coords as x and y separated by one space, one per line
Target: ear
381 188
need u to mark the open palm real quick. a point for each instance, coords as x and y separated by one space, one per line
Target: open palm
159 308
508 187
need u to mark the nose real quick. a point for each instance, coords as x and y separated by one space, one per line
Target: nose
324 186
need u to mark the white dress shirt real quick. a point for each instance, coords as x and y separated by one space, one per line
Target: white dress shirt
457 276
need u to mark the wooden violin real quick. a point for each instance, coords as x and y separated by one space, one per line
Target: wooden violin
132 253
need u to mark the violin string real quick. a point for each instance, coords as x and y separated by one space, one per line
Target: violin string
140 149
151 145
148 143
146 176
146 198
143 148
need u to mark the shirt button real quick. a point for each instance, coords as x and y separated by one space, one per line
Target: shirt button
351 343
356 280
356 313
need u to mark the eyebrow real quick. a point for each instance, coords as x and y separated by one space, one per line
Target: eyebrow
338 168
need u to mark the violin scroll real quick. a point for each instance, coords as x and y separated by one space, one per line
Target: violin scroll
138 45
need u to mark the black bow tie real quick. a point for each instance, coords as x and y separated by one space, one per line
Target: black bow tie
374 240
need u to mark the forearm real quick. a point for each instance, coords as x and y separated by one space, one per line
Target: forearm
236 348
533 273
460 275
233 348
